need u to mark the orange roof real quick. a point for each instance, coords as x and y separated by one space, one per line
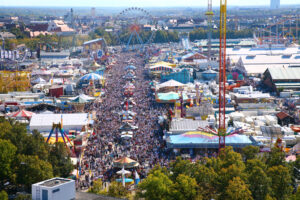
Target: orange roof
125 160
37 33
282 115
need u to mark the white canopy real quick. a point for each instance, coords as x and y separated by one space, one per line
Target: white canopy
39 80
123 171
82 98
171 83
44 122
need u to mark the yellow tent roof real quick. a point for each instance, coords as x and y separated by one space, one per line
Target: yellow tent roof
165 64
95 64
52 140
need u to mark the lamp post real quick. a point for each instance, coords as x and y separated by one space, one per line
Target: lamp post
24 177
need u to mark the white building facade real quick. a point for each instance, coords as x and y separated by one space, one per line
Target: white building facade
54 189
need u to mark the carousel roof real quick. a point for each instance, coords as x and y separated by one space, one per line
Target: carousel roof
130 67
91 76
125 162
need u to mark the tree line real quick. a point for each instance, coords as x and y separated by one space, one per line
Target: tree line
112 38
231 176
163 36
248 175
26 158
54 41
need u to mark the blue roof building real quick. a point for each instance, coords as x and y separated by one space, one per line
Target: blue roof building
184 76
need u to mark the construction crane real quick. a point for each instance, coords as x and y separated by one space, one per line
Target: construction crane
222 133
209 14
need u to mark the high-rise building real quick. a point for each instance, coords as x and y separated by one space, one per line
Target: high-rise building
93 12
275 4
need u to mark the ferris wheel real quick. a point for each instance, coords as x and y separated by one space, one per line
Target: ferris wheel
135 28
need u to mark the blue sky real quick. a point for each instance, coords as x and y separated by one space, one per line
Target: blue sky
138 3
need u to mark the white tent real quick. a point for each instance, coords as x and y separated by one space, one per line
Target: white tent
82 98
44 122
39 80
171 83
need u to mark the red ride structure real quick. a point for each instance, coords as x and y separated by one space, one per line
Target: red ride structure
222 75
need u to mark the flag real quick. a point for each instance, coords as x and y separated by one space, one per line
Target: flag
123 177
9 55
137 178
61 121
137 175
13 56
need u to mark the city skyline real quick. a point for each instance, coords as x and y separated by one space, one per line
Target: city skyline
138 3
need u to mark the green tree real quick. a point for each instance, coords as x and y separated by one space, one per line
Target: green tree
7 156
252 163
34 144
281 182
259 183
117 190
184 188
18 33
3 195
229 157
250 152
297 162
225 175
205 178
295 196
238 190
97 186
268 197
60 160
16 133
275 157
157 186
180 166
31 169
24 197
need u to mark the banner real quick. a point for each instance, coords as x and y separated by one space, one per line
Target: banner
9 55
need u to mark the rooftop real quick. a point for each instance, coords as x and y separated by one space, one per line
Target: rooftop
282 115
187 125
40 120
285 73
199 139
54 182
262 51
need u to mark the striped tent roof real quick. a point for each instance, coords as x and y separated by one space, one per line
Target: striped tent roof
21 114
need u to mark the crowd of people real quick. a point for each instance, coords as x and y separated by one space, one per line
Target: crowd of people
105 145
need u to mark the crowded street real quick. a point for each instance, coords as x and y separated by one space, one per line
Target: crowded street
106 144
